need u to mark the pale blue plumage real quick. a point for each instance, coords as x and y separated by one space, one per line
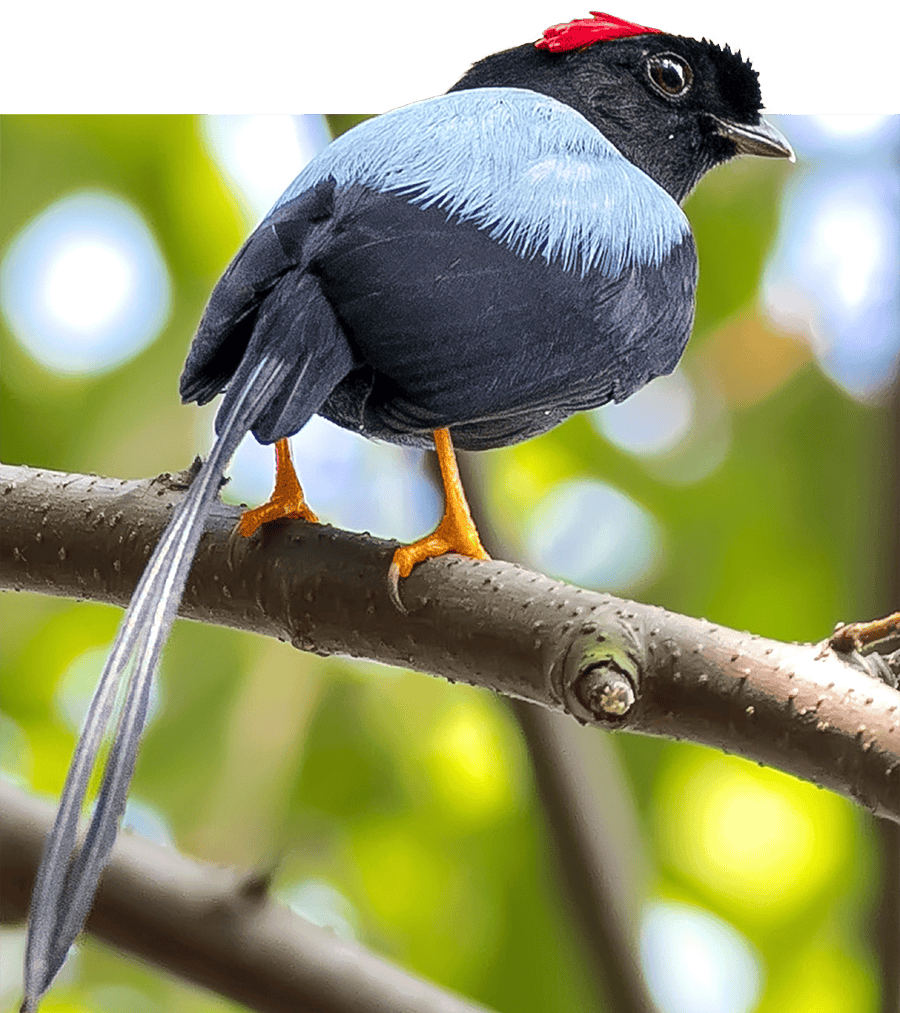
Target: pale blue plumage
528 169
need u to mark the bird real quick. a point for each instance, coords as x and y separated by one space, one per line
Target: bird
465 271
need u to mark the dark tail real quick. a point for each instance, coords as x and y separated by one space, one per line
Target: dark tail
64 889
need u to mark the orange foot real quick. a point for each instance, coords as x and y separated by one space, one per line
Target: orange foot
287 499
455 533
449 536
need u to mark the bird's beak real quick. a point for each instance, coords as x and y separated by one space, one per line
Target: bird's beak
761 139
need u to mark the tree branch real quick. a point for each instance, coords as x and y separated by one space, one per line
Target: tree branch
211 927
806 709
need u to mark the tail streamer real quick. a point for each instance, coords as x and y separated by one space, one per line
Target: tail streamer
64 888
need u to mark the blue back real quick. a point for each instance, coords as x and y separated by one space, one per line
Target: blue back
528 169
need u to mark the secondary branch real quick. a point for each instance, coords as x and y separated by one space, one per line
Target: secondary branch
211 927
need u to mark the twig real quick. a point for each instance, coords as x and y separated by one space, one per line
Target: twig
856 636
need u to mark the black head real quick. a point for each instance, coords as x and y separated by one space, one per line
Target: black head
675 107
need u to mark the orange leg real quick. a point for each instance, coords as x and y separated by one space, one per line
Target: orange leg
287 498
456 531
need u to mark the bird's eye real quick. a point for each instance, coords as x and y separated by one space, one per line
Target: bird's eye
669 74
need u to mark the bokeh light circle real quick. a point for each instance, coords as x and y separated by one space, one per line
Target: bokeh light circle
655 420
589 533
84 286
696 962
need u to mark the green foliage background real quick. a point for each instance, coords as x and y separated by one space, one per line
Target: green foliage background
414 799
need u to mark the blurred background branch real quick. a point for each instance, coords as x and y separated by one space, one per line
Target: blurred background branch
591 816
214 928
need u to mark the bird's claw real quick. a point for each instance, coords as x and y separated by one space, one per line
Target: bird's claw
393 584
449 536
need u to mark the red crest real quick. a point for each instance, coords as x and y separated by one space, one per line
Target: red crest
586 31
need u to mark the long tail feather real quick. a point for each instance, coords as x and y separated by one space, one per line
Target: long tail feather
64 889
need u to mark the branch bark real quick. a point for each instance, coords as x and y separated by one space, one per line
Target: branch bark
211 927
806 709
